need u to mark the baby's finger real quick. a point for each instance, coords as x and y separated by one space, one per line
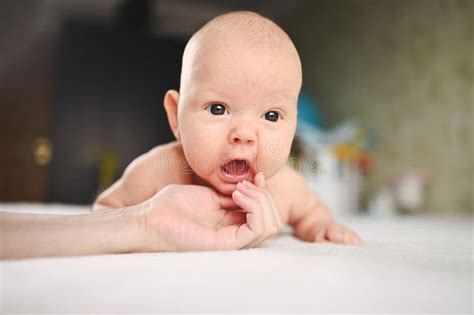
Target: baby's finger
320 235
344 235
352 238
335 234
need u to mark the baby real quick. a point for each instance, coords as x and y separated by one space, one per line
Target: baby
234 119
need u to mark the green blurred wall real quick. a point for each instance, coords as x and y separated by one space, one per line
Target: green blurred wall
405 70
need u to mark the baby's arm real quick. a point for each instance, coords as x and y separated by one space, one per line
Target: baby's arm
135 185
312 221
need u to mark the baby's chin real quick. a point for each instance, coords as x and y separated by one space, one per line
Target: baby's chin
215 183
225 189
220 186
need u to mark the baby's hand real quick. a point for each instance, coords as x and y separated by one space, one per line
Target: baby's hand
256 196
335 233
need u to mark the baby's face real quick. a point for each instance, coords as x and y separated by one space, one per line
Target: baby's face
237 116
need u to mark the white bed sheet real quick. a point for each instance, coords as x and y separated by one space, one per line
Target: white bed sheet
415 264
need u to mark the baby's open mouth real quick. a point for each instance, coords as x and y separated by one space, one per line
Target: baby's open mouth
235 171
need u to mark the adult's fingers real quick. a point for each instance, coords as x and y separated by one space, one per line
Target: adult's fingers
232 236
237 236
260 199
226 202
262 196
260 180
254 213
236 217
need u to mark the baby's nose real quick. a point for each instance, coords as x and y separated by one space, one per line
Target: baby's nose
243 135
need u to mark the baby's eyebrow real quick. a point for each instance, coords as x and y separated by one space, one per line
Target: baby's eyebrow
271 95
213 93
210 91
280 99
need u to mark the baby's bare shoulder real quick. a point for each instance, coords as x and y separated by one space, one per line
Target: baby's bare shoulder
161 155
286 181
164 164
143 177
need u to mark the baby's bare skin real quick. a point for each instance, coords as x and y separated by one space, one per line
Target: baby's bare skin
156 169
166 164
240 82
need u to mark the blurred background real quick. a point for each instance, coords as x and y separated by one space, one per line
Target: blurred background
386 116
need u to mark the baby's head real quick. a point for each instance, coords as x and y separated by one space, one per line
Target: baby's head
235 113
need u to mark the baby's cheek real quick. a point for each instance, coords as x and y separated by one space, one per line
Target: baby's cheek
202 162
271 165
273 156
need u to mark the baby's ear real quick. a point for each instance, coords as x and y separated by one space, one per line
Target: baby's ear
171 107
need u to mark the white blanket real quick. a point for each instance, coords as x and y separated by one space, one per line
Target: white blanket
409 264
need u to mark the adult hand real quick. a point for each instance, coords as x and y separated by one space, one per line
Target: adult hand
189 217
178 218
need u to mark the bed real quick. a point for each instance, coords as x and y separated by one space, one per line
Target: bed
407 264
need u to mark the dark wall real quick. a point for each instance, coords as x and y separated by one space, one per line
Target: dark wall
108 107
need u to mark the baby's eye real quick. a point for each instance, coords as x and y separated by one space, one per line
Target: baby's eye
272 116
217 109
